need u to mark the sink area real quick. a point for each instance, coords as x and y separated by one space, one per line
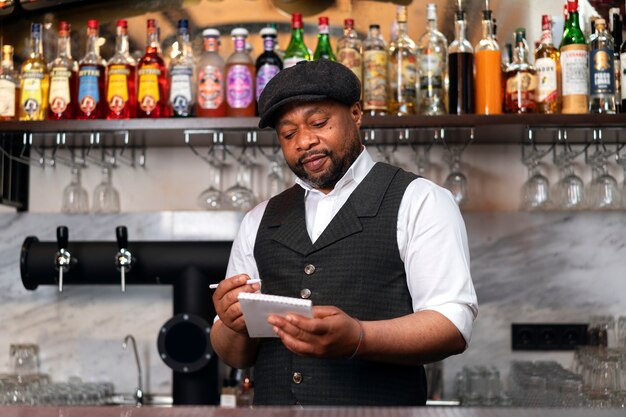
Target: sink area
149 400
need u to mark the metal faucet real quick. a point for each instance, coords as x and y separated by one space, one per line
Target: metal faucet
139 391
63 258
123 258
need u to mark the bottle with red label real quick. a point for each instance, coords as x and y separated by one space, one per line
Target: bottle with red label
121 71
240 89
63 79
91 78
211 83
152 91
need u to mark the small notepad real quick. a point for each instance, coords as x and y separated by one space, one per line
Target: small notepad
257 307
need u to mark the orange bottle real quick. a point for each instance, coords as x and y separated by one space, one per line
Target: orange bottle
488 78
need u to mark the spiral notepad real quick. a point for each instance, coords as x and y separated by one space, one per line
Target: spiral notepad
257 307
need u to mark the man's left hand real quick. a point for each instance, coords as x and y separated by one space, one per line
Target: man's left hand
330 333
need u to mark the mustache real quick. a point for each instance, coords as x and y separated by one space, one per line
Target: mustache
309 154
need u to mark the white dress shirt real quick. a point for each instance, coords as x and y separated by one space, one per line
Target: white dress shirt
432 241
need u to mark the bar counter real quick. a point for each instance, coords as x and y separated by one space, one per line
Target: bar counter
16 411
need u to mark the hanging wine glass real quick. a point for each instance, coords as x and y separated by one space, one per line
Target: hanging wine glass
212 198
75 197
569 193
240 196
603 191
106 199
536 189
456 181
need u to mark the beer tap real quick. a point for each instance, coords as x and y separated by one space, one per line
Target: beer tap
62 258
123 258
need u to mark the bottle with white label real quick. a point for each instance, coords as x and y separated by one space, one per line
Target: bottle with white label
91 77
574 64
432 63
601 73
63 77
211 82
296 50
34 80
548 71
182 79
375 73
9 85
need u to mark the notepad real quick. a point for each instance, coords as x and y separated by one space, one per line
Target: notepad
257 307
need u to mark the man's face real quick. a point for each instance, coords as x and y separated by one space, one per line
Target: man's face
320 140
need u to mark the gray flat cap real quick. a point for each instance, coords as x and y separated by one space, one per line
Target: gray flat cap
308 81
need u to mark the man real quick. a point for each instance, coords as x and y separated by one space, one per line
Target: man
381 253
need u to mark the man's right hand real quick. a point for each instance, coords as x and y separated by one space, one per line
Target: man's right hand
227 305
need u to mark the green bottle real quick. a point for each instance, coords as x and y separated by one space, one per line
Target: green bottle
297 50
323 50
574 64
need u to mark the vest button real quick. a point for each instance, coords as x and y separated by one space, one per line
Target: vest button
305 293
297 378
309 269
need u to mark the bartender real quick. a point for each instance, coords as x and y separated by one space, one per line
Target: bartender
382 254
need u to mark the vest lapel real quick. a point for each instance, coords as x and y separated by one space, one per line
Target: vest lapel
289 222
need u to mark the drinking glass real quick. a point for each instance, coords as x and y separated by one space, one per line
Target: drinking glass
604 193
106 199
75 197
25 359
569 193
240 196
536 190
213 198
456 181
276 178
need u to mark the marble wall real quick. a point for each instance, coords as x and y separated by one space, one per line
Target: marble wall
527 267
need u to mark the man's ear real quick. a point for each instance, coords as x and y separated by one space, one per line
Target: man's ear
357 114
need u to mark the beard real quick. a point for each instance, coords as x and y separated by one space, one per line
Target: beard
339 164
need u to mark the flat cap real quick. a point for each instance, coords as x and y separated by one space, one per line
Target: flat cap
308 81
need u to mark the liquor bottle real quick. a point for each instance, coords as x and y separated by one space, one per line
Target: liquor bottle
403 74
9 85
91 77
121 90
349 49
375 73
296 50
574 64
63 78
461 69
240 91
616 32
152 78
34 80
323 49
601 73
268 64
432 63
548 71
521 78
182 79
211 81
622 58
488 76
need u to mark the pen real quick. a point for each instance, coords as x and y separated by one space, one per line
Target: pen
248 282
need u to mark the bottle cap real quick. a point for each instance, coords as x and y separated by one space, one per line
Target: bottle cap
572 6
375 26
546 22
268 32
431 11
239 32
92 24
348 23
323 20
183 24
211 33
7 49
151 23
401 14
122 23
296 17
600 22
64 26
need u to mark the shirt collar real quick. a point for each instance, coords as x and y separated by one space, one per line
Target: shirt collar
357 172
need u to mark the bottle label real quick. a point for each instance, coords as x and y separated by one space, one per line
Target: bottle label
32 92
88 92
547 80
60 96
403 78
239 90
601 73
520 91
269 43
291 61
263 76
623 75
210 88
574 61
180 88
375 80
7 98
352 59
117 88
431 70
148 94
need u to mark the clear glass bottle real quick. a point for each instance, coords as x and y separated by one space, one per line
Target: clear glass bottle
488 75
152 85
268 64
461 69
34 80
432 64
240 90
349 49
121 91
403 72
375 73
211 82
548 71
521 78
601 72
574 64
296 50
323 50
63 78
91 77
616 32
9 85
182 78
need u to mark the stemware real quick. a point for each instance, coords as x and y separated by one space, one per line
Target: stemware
212 198
106 199
569 193
75 197
240 196
536 189
456 181
603 190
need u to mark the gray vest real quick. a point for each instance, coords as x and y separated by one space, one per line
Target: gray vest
354 265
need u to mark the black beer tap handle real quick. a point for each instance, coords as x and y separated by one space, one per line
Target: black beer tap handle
62 237
121 233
